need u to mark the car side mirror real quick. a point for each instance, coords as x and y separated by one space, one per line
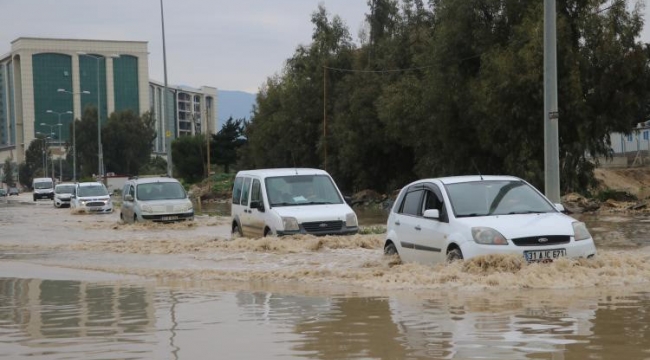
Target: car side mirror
128 197
257 205
560 208
432 214
348 199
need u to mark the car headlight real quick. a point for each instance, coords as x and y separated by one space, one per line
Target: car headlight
580 231
147 208
83 202
351 220
290 224
488 236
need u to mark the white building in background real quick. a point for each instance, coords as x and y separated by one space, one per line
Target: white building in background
193 111
637 140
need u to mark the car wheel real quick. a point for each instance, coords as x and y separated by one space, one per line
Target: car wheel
34 197
454 254
390 249
121 216
135 218
236 230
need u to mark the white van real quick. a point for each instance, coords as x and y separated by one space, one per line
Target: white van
43 188
289 201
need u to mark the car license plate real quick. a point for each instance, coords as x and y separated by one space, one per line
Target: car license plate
544 255
169 218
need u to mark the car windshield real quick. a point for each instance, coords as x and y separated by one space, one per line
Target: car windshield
301 190
43 185
496 197
92 190
64 189
160 191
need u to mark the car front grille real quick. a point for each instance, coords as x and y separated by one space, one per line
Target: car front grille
542 240
318 227
95 203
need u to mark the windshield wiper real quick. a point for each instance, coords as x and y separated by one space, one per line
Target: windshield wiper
471 215
526 212
317 202
282 204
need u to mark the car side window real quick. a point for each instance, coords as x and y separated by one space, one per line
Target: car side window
132 191
433 201
256 193
236 191
245 191
412 203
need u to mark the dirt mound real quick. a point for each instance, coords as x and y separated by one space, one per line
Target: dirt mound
636 181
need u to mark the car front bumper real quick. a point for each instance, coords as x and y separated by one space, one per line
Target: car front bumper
574 249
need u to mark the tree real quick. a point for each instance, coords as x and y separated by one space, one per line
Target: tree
127 140
188 157
8 170
226 143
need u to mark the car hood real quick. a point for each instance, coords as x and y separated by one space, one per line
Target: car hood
94 198
309 213
524 225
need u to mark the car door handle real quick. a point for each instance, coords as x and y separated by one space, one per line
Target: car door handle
418 228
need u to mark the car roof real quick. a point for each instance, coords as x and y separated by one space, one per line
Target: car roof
469 178
282 172
153 179
90 183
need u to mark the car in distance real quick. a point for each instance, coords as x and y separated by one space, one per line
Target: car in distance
92 197
157 199
14 191
3 192
63 194
462 217
43 188
289 201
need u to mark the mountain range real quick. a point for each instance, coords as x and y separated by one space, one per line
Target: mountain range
238 104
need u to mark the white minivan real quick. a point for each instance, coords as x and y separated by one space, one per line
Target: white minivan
289 201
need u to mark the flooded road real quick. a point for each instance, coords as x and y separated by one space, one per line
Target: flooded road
88 287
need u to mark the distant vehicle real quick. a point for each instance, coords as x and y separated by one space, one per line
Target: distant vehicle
3 192
289 201
63 194
461 217
158 199
43 188
91 197
14 191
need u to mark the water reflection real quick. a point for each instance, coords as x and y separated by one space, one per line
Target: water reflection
46 319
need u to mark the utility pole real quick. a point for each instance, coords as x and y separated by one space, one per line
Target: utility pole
168 134
208 133
551 137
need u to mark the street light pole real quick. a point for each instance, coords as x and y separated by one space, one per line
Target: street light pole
100 154
51 134
168 140
74 135
60 138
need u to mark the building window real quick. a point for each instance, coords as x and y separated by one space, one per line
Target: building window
645 135
629 138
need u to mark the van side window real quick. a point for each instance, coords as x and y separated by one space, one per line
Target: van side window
236 191
256 193
245 190
132 191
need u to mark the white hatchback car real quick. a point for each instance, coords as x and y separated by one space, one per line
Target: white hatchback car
91 197
158 199
452 218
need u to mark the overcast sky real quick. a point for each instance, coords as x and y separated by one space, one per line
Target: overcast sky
228 44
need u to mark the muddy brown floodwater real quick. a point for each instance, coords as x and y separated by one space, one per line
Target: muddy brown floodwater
75 286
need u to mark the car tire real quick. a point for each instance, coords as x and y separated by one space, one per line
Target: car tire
390 249
454 255
236 230
34 197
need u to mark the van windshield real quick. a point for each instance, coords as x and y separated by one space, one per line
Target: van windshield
64 189
295 190
92 190
43 185
160 191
